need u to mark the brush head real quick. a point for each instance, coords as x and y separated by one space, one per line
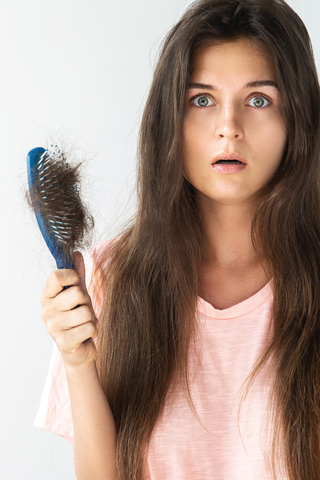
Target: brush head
54 196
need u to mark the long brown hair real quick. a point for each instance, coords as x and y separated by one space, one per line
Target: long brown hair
148 276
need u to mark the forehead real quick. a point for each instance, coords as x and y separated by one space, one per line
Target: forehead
241 54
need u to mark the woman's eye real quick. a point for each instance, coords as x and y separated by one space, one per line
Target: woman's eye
260 102
201 101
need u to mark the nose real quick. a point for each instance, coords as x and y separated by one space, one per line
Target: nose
228 122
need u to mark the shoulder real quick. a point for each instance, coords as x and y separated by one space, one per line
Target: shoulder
93 255
96 262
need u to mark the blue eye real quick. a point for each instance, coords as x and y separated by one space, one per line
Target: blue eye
260 103
203 101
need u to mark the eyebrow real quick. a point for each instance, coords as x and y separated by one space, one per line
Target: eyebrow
257 83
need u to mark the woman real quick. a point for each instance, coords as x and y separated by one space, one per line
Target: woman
213 288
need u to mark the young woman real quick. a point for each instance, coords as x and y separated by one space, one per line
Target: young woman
206 360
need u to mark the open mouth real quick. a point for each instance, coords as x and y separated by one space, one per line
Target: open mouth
228 161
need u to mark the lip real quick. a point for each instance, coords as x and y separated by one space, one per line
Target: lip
232 168
228 156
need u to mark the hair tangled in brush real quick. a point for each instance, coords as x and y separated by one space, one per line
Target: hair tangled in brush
61 201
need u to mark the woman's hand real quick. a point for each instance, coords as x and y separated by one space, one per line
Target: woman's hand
69 316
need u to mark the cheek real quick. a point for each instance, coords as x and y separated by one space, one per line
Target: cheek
276 147
195 139
267 141
192 154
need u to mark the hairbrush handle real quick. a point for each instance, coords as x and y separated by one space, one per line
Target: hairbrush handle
32 165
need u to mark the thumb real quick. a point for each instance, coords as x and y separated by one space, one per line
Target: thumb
79 267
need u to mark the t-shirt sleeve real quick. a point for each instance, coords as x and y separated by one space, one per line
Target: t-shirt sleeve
54 412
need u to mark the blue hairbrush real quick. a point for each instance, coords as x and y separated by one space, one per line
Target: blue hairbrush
55 199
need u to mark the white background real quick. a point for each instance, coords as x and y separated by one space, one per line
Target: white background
78 70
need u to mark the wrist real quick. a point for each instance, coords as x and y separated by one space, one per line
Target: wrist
80 371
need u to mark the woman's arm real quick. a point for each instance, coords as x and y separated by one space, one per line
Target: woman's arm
94 426
71 322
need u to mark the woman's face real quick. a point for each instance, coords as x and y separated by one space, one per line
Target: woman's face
225 115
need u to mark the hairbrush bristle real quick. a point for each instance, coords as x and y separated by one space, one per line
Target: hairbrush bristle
56 198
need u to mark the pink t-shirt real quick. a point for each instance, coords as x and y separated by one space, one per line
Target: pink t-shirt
180 448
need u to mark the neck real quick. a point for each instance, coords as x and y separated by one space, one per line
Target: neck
227 241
